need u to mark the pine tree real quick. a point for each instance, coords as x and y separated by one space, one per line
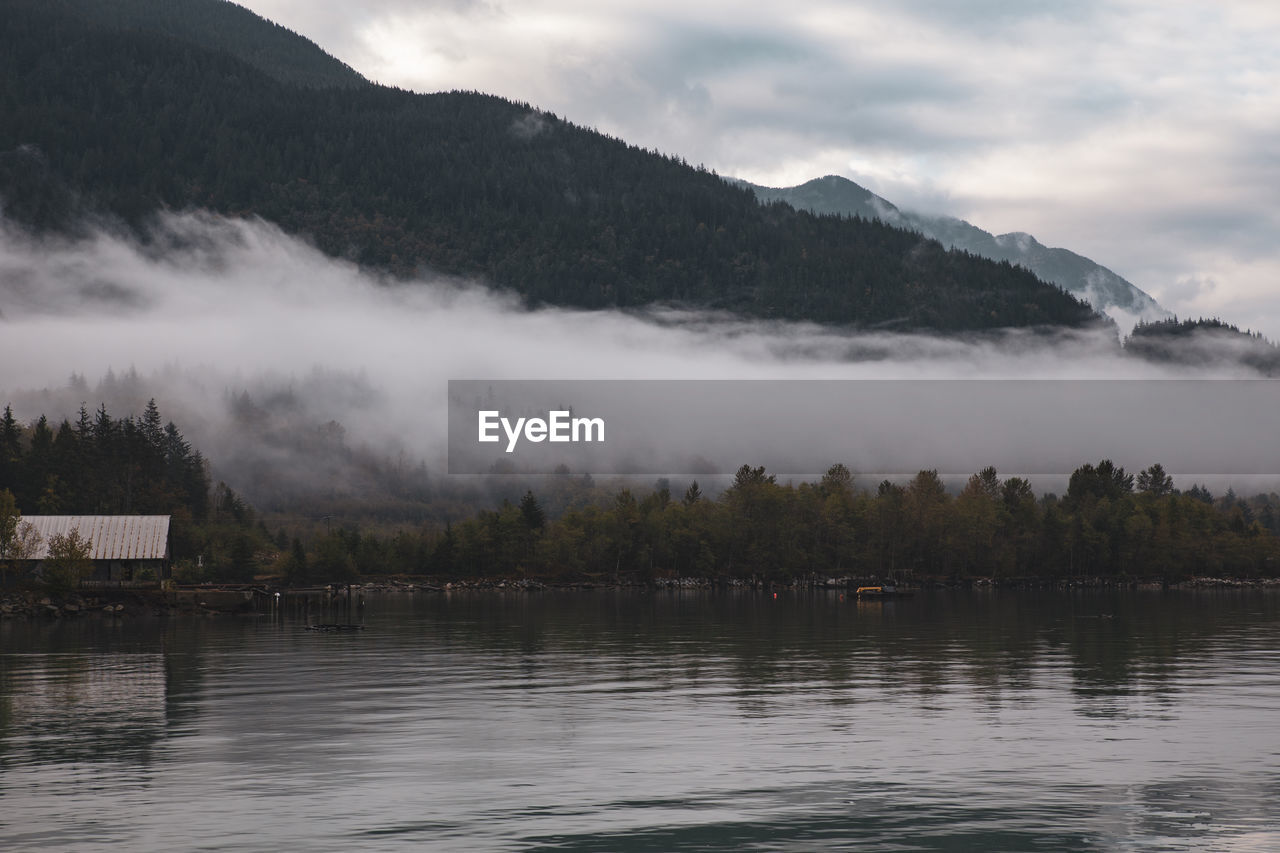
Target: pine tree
531 511
1154 481
10 447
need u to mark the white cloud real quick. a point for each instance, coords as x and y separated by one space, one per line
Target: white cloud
212 306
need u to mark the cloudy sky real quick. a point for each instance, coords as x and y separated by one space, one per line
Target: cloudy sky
1142 133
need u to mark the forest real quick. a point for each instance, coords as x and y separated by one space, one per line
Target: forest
108 116
1109 524
100 465
1202 342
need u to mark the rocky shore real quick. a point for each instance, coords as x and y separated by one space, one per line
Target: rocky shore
812 583
210 599
67 606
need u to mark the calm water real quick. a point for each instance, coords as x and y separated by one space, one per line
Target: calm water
668 721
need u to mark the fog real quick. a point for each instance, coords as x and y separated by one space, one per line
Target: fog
239 330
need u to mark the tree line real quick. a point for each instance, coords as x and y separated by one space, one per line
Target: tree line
100 465
1108 524
133 465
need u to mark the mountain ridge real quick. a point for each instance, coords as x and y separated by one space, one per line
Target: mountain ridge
227 27
1081 276
131 120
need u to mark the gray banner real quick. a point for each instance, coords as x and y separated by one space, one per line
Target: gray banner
1027 427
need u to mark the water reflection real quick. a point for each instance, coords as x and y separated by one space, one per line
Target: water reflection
644 721
1116 644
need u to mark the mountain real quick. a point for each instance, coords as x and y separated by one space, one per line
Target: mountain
1076 274
227 28
125 107
1203 343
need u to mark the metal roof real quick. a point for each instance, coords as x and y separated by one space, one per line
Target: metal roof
112 537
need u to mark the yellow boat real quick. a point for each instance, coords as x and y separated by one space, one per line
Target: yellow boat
886 591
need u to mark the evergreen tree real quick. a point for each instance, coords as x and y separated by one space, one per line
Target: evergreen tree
532 513
1154 481
243 566
10 449
297 570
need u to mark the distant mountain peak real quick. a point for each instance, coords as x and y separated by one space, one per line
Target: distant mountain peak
1020 240
1103 289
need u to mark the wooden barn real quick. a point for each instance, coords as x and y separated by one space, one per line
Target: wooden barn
121 546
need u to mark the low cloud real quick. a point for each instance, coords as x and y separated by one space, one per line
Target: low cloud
241 331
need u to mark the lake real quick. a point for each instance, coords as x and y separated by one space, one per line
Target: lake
672 720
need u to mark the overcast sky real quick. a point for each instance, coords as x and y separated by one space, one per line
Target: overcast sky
1143 134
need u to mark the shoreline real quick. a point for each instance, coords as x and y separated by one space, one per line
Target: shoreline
225 599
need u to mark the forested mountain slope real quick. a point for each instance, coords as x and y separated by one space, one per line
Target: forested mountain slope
105 115
228 28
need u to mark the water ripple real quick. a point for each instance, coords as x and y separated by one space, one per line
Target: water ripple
653 723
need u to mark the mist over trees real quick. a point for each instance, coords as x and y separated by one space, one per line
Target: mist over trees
121 110
1201 342
101 115
1108 524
